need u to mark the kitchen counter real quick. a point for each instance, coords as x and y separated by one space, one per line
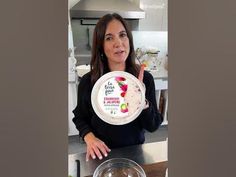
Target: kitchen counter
160 78
161 73
145 154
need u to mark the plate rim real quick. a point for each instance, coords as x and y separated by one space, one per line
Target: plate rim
95 90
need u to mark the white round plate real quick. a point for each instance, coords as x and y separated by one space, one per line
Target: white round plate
118 97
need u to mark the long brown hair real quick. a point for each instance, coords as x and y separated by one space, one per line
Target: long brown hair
99 63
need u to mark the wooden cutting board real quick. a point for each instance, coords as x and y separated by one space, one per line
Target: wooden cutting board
155 169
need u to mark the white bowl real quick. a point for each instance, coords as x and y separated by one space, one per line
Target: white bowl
82 70
119 167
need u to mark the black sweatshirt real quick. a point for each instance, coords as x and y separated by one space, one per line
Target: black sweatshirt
115 136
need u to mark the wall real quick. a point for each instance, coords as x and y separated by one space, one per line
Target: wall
156 15
71 3
152 39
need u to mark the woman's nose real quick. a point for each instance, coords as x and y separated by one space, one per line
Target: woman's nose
118 42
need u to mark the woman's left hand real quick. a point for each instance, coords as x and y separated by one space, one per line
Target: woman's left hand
95 147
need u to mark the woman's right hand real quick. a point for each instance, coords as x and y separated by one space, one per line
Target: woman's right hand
95 147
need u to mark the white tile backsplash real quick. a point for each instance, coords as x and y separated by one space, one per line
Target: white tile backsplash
151 39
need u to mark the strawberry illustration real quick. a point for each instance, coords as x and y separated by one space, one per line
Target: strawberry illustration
124 87
118 78
123 94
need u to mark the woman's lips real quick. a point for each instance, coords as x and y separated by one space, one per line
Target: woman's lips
119 52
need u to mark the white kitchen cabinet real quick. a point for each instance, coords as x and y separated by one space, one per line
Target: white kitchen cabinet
155 15
72 102
161 84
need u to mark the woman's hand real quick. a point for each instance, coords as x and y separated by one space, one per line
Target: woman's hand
140 78
141 72
95 147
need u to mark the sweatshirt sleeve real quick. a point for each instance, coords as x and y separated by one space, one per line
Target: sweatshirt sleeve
150 118
82 113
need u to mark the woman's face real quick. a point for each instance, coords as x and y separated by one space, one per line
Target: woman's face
116 43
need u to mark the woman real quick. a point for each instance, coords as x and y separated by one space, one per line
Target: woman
113 50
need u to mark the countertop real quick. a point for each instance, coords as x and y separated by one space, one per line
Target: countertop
161 73
149 153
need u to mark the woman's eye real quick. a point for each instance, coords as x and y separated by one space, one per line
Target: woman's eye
108 38
123 35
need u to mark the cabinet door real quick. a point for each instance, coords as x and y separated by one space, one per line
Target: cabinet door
72 102
156 15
